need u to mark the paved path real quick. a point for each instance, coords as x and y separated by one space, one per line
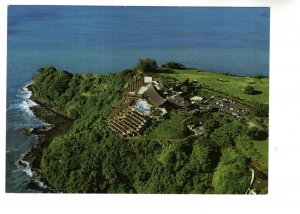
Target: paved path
252 179
250 191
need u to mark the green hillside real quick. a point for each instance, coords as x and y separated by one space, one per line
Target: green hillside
167 158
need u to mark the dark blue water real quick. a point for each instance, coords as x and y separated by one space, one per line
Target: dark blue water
109 39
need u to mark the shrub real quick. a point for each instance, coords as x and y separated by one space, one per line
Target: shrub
249 90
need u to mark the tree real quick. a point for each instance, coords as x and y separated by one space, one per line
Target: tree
182 177
61 81
260 110
210 125
232 175
184 88
222 137
253 132
201 183
204 157
249 90
256 134
146 65
173 65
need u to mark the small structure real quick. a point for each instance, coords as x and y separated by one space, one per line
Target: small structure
198 130
196 98
159 112
131 93
148 80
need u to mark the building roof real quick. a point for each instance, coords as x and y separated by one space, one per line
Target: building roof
196 98
159 86
147 79
179 101
142 90
153 96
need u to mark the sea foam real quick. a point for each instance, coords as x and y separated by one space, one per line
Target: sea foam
24 166
26 103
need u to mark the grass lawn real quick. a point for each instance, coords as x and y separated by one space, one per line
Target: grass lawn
229 84
262 147
170 128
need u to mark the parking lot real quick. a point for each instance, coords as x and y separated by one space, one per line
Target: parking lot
230 106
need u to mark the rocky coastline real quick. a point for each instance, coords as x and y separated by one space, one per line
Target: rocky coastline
55 124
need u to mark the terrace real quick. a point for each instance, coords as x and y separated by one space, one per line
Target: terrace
129 123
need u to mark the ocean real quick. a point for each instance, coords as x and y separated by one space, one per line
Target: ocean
110 39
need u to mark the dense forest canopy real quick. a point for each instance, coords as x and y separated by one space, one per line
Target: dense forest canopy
92 158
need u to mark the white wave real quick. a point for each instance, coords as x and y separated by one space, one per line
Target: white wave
24 166
28 171
27 92
24 92
40 184
26 103
24 106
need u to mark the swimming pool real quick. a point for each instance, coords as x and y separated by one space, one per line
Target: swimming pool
143 106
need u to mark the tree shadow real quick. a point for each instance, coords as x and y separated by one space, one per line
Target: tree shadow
257 92
261 135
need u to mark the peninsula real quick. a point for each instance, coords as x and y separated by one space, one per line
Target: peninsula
153 129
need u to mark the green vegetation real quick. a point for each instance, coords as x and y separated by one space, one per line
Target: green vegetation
232 174
167 158
260 110
260 76
204 156
255 144
231 85
171 128
173 65
146 65
227 131
246 144
262 147
257 134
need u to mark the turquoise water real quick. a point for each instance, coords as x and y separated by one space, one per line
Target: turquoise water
143 108
110 39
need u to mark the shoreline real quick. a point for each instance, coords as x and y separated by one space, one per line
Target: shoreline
58 125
